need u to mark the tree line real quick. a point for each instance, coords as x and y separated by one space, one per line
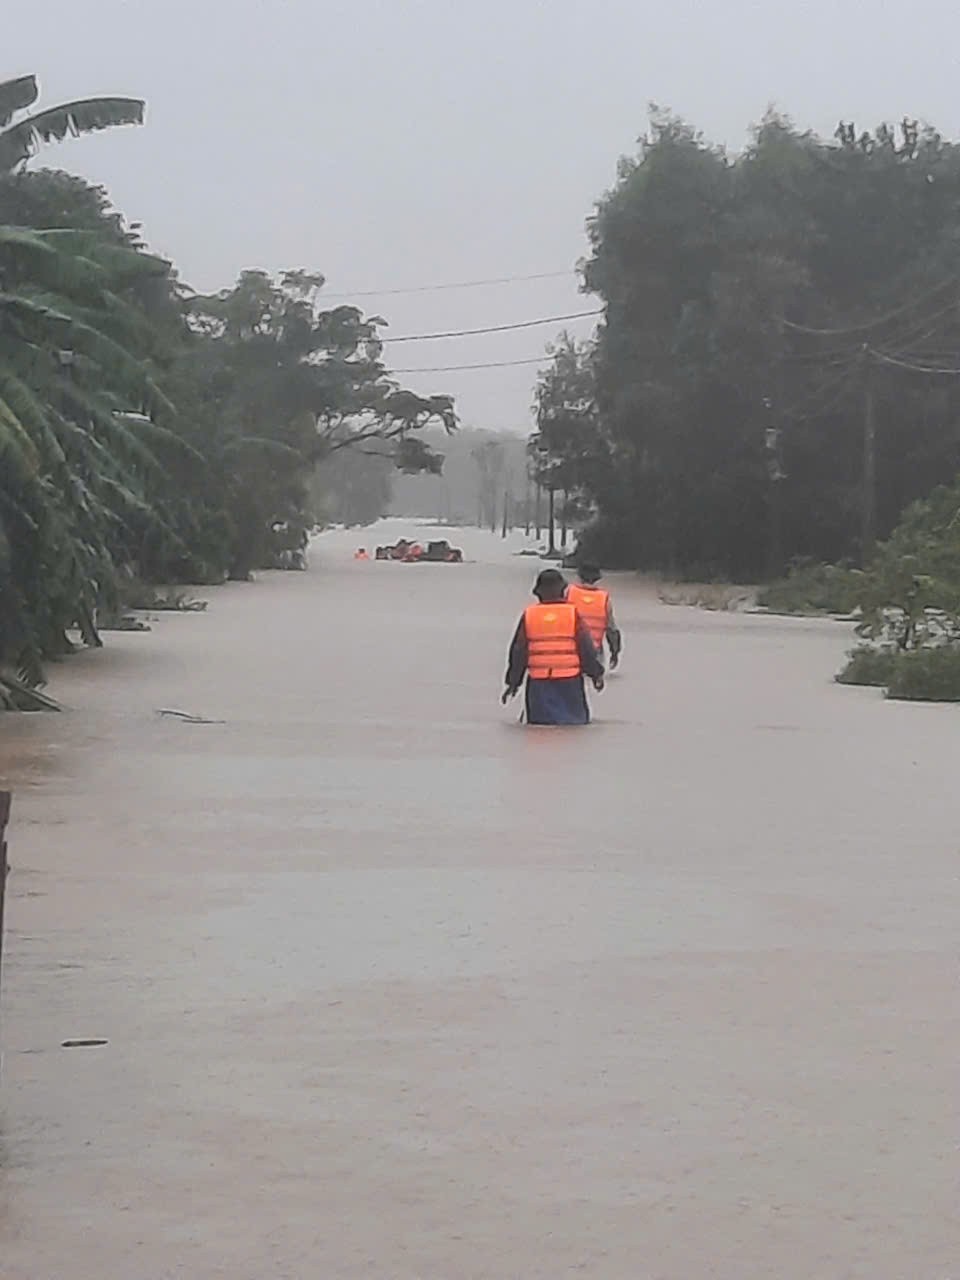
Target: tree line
146 431
776 375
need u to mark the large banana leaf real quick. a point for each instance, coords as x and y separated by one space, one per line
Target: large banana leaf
18 142
35 311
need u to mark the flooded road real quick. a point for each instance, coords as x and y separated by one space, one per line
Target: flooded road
396 989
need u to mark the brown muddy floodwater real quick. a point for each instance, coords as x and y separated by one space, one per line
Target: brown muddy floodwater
396 989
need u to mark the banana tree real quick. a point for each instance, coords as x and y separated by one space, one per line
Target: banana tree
20 139
80 434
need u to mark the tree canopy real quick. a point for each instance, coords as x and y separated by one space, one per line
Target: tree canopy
147 431
758 311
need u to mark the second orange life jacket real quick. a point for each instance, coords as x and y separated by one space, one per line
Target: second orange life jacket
552 650
592 603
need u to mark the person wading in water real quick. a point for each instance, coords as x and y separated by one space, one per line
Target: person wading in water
553 648
594 605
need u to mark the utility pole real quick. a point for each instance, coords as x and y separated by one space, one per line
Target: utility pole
563 520
775 477
506 514
551 530
868 513
539 510
4 819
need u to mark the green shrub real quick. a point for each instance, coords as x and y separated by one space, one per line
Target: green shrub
869 666
929 533
814 588
927 675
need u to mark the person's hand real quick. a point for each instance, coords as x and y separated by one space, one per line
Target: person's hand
614 661
507 694
599 683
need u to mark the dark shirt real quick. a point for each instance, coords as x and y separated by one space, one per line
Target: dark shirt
590 663
614 636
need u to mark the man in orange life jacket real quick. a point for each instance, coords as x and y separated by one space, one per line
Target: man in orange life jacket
593 604
553 648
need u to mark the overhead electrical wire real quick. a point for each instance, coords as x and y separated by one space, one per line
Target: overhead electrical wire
939 371
876 323
495 328
489 364
830 395
911 336
440 288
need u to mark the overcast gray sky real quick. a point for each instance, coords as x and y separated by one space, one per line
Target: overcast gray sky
395 143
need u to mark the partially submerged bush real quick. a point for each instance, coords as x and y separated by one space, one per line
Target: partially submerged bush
929 534
927 675
906 608
869 666
814 588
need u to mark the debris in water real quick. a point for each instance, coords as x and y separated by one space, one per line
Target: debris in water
187 718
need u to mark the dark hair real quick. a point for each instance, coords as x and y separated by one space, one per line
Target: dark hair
551 583
589 573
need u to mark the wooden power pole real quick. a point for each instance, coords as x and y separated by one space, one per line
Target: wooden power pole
868 510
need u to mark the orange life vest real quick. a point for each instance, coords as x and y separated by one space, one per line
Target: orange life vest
552 650
592 603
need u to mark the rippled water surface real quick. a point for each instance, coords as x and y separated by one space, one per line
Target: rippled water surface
394 988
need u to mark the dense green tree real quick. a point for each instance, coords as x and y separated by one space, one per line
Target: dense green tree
146 432
271 385
569 449
754 307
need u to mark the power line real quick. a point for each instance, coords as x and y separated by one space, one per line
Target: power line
440 288
492 364
912 336
496 328
875 323
913 368
829 395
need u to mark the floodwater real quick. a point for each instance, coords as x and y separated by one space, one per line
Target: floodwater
394 988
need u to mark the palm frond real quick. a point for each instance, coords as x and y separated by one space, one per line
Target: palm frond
258 449
122 263
161 440
122 446
73 330
32 414
18 142
15 440
28 255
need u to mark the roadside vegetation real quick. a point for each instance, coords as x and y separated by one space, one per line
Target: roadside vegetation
149 434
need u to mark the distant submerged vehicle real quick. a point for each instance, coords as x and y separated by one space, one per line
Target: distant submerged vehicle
439 552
